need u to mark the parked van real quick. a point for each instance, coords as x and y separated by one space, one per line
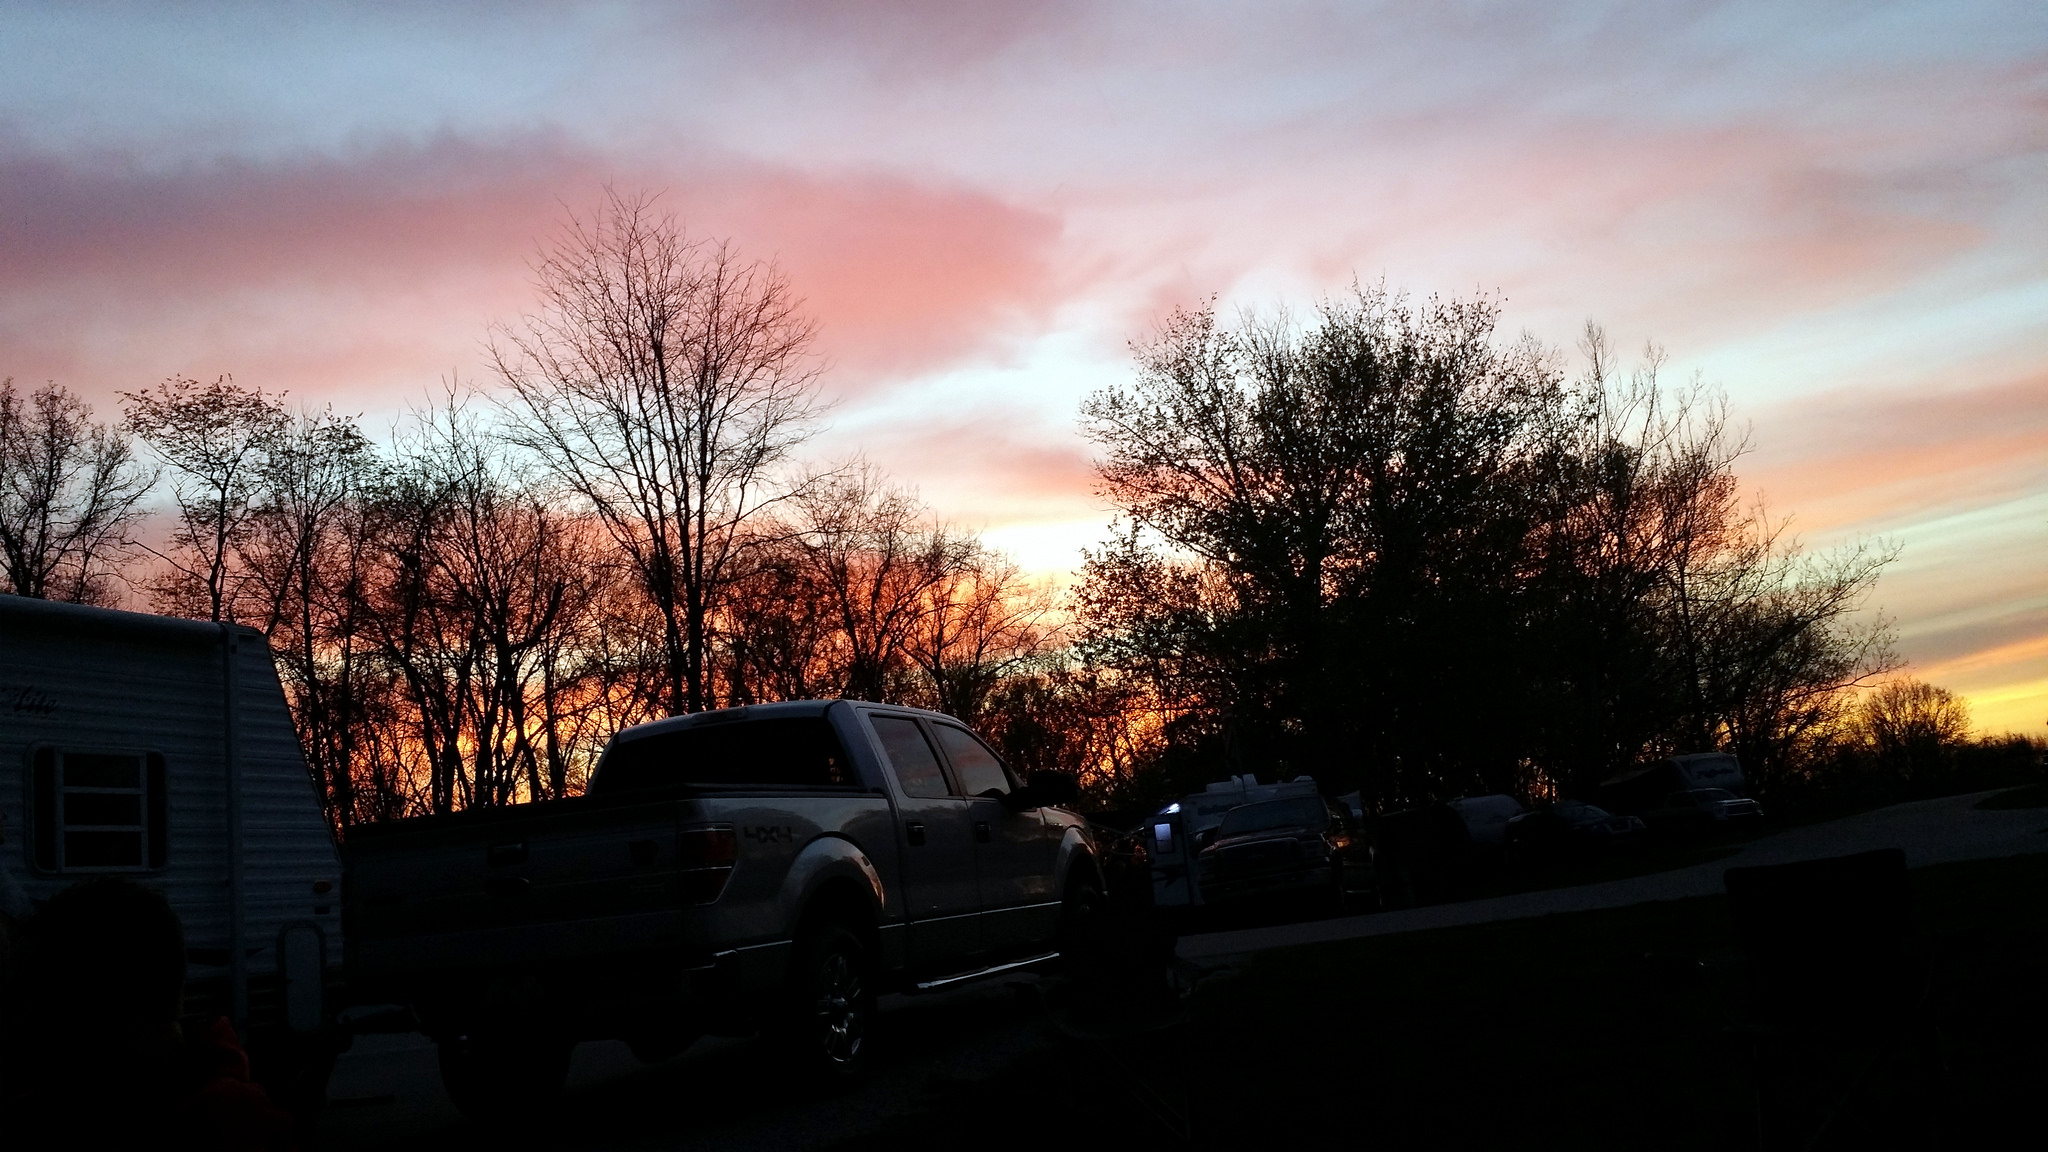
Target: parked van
161 751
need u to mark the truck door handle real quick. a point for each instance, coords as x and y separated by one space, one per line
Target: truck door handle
981 831
915 831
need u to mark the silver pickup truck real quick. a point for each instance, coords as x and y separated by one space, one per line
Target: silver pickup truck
771 867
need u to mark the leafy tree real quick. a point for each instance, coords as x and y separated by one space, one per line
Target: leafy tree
1349 495
1383 548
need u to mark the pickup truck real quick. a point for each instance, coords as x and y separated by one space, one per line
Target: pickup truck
1299 846
771 867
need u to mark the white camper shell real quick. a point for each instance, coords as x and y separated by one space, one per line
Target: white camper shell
160 750
1176 832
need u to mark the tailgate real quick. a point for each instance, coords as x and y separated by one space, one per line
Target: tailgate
513 889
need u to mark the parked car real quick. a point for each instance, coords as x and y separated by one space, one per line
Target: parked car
1441 852
1300 846
769 867
1698 810
1569 830
1647 786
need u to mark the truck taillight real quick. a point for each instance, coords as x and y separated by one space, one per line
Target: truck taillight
704 857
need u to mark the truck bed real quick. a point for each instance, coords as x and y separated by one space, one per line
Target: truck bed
583 899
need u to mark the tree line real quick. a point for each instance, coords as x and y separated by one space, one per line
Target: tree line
1374 544
462 616
1380 545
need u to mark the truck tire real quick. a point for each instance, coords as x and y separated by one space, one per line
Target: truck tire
830 1002
501 1081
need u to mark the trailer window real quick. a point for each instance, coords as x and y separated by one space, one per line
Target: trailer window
98 811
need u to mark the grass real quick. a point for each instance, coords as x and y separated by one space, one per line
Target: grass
1594 1029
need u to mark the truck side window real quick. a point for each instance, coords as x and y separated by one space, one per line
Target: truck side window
910 756
97 811
979 771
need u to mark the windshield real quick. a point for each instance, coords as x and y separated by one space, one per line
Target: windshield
1305 812
1573 810
1703 795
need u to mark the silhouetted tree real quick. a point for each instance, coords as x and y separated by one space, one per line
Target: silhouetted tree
856 590
1911 726
664 381
1353 491
302 559
214 438
1670 616
484 603
1379 547
983 625
69 496
873 556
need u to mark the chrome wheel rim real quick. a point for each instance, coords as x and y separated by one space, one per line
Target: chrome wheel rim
841 1012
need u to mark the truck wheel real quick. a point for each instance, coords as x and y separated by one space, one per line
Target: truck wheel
500 1081
831 1002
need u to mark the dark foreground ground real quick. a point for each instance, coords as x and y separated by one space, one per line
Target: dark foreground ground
1582 1030
1594 1030
1611 1028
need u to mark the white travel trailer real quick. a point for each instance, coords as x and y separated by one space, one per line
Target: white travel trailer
160 750
1180 830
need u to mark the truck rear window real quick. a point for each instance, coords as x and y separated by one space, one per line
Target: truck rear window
796 751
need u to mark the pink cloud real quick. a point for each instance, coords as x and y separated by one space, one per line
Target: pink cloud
1850 458
892 34
1692 233
992 466
362 279
902 278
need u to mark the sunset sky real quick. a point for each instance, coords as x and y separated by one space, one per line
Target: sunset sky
1838 213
